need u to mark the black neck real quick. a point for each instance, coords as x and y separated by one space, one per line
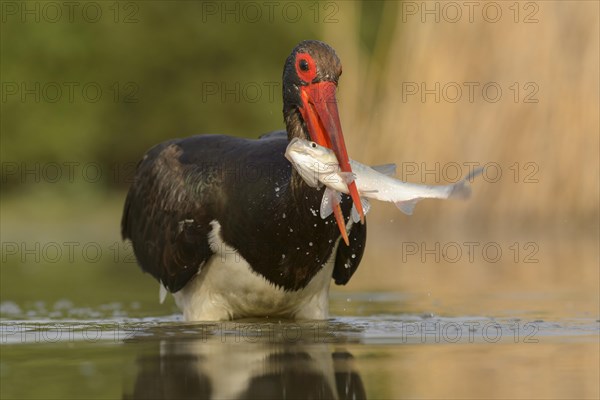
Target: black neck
296 128
294 124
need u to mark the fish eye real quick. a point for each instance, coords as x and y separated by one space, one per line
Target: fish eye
313 145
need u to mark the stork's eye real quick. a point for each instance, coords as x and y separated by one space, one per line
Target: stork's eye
313 145
303 64
306 67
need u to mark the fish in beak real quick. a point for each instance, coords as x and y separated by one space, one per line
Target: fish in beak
320 112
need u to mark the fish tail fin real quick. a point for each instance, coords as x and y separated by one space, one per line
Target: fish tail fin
462 190
474 174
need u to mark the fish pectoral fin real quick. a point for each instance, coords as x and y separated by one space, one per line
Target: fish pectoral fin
408 206
385 169
366 205
347 177
330 199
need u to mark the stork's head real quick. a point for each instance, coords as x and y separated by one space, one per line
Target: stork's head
310 79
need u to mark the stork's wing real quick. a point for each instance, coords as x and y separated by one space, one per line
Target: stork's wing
348 258
165 217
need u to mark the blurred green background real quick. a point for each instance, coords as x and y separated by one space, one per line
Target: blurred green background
85 94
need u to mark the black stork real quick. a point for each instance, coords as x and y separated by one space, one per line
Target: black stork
231 229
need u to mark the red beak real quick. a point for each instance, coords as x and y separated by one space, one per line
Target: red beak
320 112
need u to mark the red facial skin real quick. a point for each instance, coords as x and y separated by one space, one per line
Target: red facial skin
320 113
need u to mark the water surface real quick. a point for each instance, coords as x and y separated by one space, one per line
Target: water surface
105 352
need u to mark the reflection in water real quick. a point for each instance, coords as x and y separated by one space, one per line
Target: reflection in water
398 356
223 367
